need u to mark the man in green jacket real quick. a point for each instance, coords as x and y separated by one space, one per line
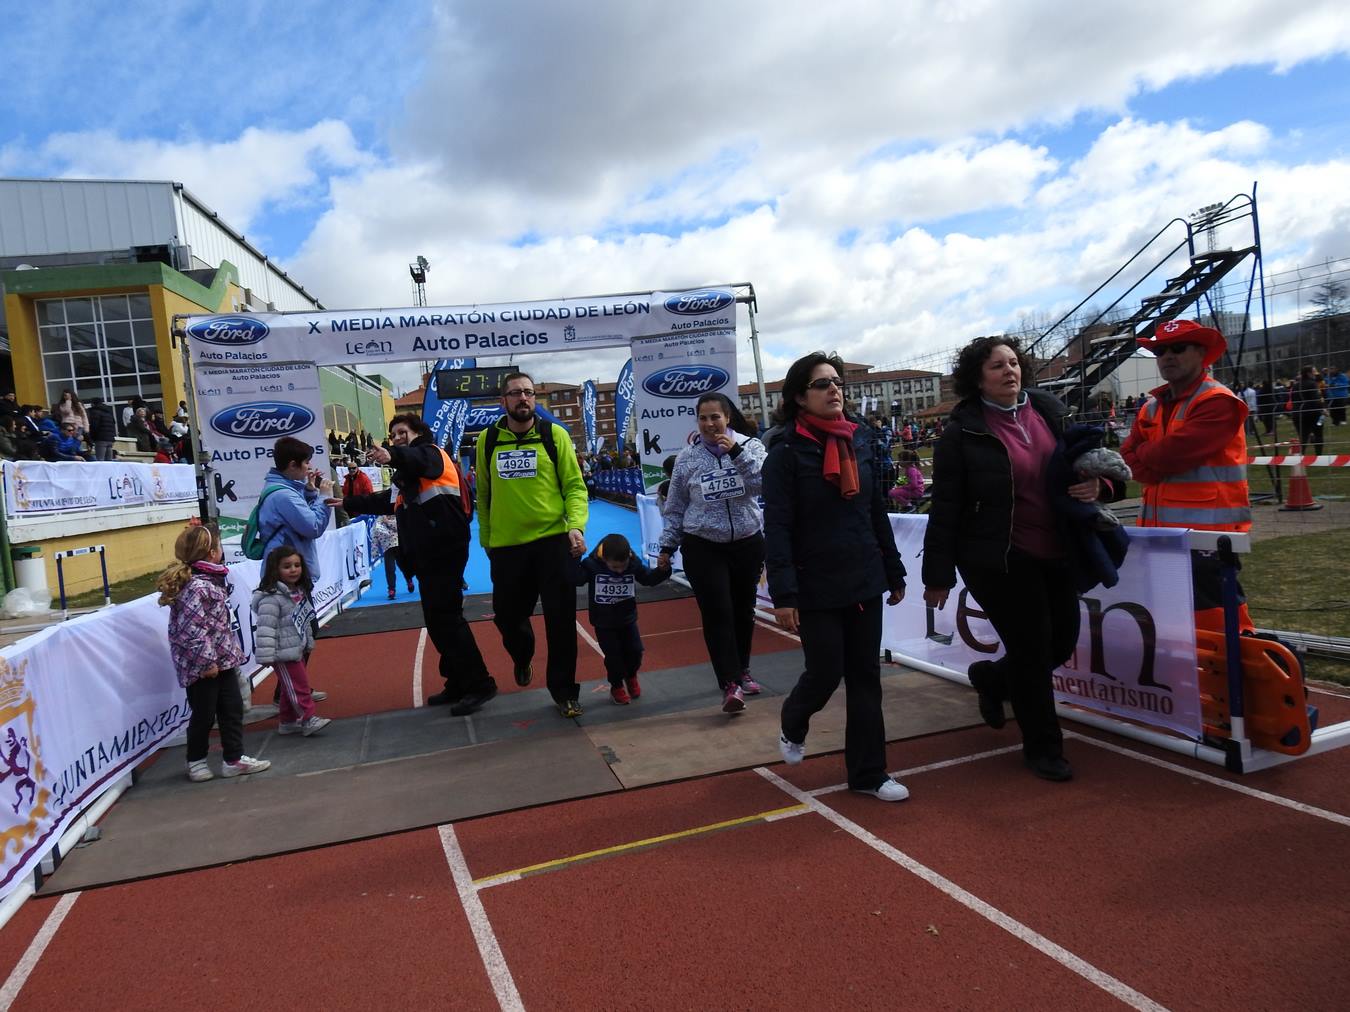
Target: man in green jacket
532 510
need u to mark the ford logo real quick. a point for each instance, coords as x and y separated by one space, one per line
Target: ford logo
709 300
685 381
231 330
262 420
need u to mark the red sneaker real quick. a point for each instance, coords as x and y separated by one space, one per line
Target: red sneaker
619 694
634 689
733 701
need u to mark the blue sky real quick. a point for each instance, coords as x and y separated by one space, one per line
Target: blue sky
893 179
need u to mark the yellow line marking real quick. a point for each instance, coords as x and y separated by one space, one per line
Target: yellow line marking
650 841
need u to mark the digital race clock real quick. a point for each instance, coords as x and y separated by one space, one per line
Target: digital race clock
485 381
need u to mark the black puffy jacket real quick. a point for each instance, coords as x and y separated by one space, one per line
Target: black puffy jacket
102 424
428 533
822 550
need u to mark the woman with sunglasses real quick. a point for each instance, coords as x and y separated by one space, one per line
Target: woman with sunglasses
710 516
831 557
991 518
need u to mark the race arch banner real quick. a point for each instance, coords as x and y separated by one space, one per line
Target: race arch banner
373 336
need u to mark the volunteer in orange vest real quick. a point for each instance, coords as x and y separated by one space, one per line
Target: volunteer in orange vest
1188 448
429 502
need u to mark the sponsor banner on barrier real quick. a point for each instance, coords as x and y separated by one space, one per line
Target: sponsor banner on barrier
1136 650
243 411
83 702
670 374
38 487
424 332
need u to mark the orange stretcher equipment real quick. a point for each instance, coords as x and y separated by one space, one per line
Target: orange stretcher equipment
1277 713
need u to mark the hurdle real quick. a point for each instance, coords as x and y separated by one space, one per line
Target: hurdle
60 558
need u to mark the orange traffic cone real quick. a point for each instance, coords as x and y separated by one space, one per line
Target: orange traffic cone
1300 493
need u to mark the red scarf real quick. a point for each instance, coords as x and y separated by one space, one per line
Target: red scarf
841 463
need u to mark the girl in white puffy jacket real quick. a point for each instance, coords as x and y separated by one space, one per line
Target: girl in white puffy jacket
283 636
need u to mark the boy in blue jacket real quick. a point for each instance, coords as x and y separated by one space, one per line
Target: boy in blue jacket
611 574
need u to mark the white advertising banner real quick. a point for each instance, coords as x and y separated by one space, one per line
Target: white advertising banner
1136 649
419 333
81 703
38 487
243 411
670 374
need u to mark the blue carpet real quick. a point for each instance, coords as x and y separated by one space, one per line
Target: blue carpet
606 518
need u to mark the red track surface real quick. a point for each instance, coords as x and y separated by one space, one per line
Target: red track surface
1159 878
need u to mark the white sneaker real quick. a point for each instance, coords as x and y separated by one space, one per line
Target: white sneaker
294 727
198 771
891 790
312 724
792 752
244 764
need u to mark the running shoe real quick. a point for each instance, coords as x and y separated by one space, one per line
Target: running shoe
244 764
891 790
524 673
1054 768
293 727
734 700
748 685
314 723
198 771
634 689
791 751
620 695
570 708
392 594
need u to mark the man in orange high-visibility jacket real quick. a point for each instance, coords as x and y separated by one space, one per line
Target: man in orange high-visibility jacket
1188 448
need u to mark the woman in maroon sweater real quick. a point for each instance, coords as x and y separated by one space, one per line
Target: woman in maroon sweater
991 518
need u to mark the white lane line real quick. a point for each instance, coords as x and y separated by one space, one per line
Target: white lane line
1117 988
499 974
775 627
587 637
926 769
417 669
19 976
1251 792
672 632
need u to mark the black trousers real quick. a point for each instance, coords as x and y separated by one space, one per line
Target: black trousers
622 648
442 594
392 557
537 572
1309 432
843 643
724 578
216 701
1034 609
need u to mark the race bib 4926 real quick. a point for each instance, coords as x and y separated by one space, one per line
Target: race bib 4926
517 464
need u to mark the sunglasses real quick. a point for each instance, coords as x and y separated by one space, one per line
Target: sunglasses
1175 348
825 382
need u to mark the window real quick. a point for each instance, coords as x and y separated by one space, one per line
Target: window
103 346
336 418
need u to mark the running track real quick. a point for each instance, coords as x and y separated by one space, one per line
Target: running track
1150 881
